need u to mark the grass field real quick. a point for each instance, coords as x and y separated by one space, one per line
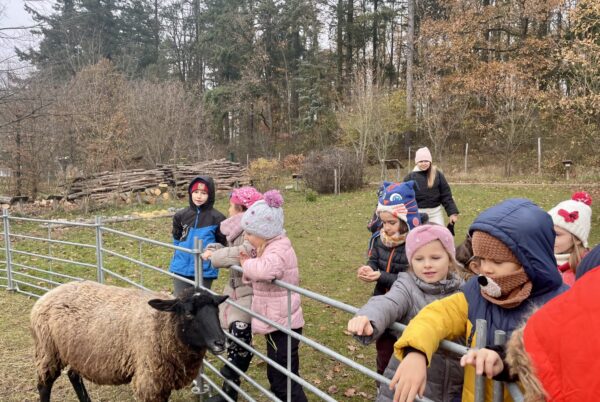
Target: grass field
330 238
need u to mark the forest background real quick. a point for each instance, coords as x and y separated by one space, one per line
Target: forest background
119 84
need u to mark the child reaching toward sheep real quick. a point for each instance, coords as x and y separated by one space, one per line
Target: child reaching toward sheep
275 259
432 275
234 320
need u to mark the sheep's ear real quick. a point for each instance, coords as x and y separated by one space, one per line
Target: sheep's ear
219 299
164 305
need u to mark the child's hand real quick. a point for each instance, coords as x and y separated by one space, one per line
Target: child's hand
485 361
243 257
207 255
366 274
410 378
360 325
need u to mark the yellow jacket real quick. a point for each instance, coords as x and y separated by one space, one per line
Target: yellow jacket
445 318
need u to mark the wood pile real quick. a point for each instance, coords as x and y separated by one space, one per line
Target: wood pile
149 186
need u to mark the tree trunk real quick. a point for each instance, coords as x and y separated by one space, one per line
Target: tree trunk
410 54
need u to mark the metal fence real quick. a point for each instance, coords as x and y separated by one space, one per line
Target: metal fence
88 262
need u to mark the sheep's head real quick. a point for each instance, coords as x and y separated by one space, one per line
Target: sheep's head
197 317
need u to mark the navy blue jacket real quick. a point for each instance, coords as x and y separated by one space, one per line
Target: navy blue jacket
201 222
528 232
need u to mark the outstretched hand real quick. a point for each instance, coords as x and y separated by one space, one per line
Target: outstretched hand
410 378
360 325
243 257
485 361
206 255
366 274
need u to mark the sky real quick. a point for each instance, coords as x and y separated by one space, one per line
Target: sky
14 28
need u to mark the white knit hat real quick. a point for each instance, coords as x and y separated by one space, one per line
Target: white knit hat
265 217
574 216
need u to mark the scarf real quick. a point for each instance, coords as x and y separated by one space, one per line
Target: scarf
392 241
232 227
561 259
506 291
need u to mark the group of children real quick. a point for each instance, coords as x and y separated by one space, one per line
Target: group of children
506 267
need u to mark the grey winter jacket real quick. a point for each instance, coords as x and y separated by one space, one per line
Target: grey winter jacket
405 299
239 292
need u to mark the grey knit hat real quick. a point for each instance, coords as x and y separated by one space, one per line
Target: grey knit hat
265 217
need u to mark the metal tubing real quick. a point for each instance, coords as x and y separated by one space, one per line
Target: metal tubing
498 395
47 257
68 243
99 262
7 250
58 222
43 271
125 279
289 344
146 240
480 342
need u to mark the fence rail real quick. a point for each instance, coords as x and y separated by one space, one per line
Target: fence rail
31 280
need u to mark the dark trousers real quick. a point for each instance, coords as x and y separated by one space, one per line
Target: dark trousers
180 286
277 350
385 349
236 354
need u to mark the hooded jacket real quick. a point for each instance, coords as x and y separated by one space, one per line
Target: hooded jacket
405 299
528 232
196 221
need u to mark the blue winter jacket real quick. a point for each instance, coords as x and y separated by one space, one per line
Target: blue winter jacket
528 232
201 222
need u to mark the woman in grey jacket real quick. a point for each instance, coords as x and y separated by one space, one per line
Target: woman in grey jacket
432 276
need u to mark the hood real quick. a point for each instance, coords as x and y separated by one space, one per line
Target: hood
589 262
208 181
528 231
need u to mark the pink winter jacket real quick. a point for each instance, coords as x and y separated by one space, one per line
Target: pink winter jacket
278 261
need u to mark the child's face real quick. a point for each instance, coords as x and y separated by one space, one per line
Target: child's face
234 209
391 224
564 241
199 197
431 262
489 267
254 240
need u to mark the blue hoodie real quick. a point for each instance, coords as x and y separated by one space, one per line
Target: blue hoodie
528 232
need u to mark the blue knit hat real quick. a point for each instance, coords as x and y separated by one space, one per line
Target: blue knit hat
265 217
399 200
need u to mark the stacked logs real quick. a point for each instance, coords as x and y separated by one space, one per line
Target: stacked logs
148 186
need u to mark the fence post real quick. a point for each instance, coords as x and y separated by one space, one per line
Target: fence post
498 395
198 270
480 342
466 156
99 262
10 283
335 179
539 152
408 164
289 345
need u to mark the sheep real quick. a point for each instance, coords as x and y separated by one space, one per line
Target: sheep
111 335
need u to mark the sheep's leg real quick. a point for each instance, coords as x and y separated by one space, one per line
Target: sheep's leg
78 385
45 386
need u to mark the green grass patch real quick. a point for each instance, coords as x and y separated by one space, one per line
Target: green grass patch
329 235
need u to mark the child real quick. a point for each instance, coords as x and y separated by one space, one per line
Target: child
553 354
199 220
572 221
433 191
432 275
514 242
398 211
275 259
233 319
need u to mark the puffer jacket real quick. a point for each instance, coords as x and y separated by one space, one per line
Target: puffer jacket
405 299
528 232
278 261
196 222
555 353
388 260
225 257
438 194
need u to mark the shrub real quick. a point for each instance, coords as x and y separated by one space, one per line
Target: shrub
319 166
293 162
311 195
264 172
